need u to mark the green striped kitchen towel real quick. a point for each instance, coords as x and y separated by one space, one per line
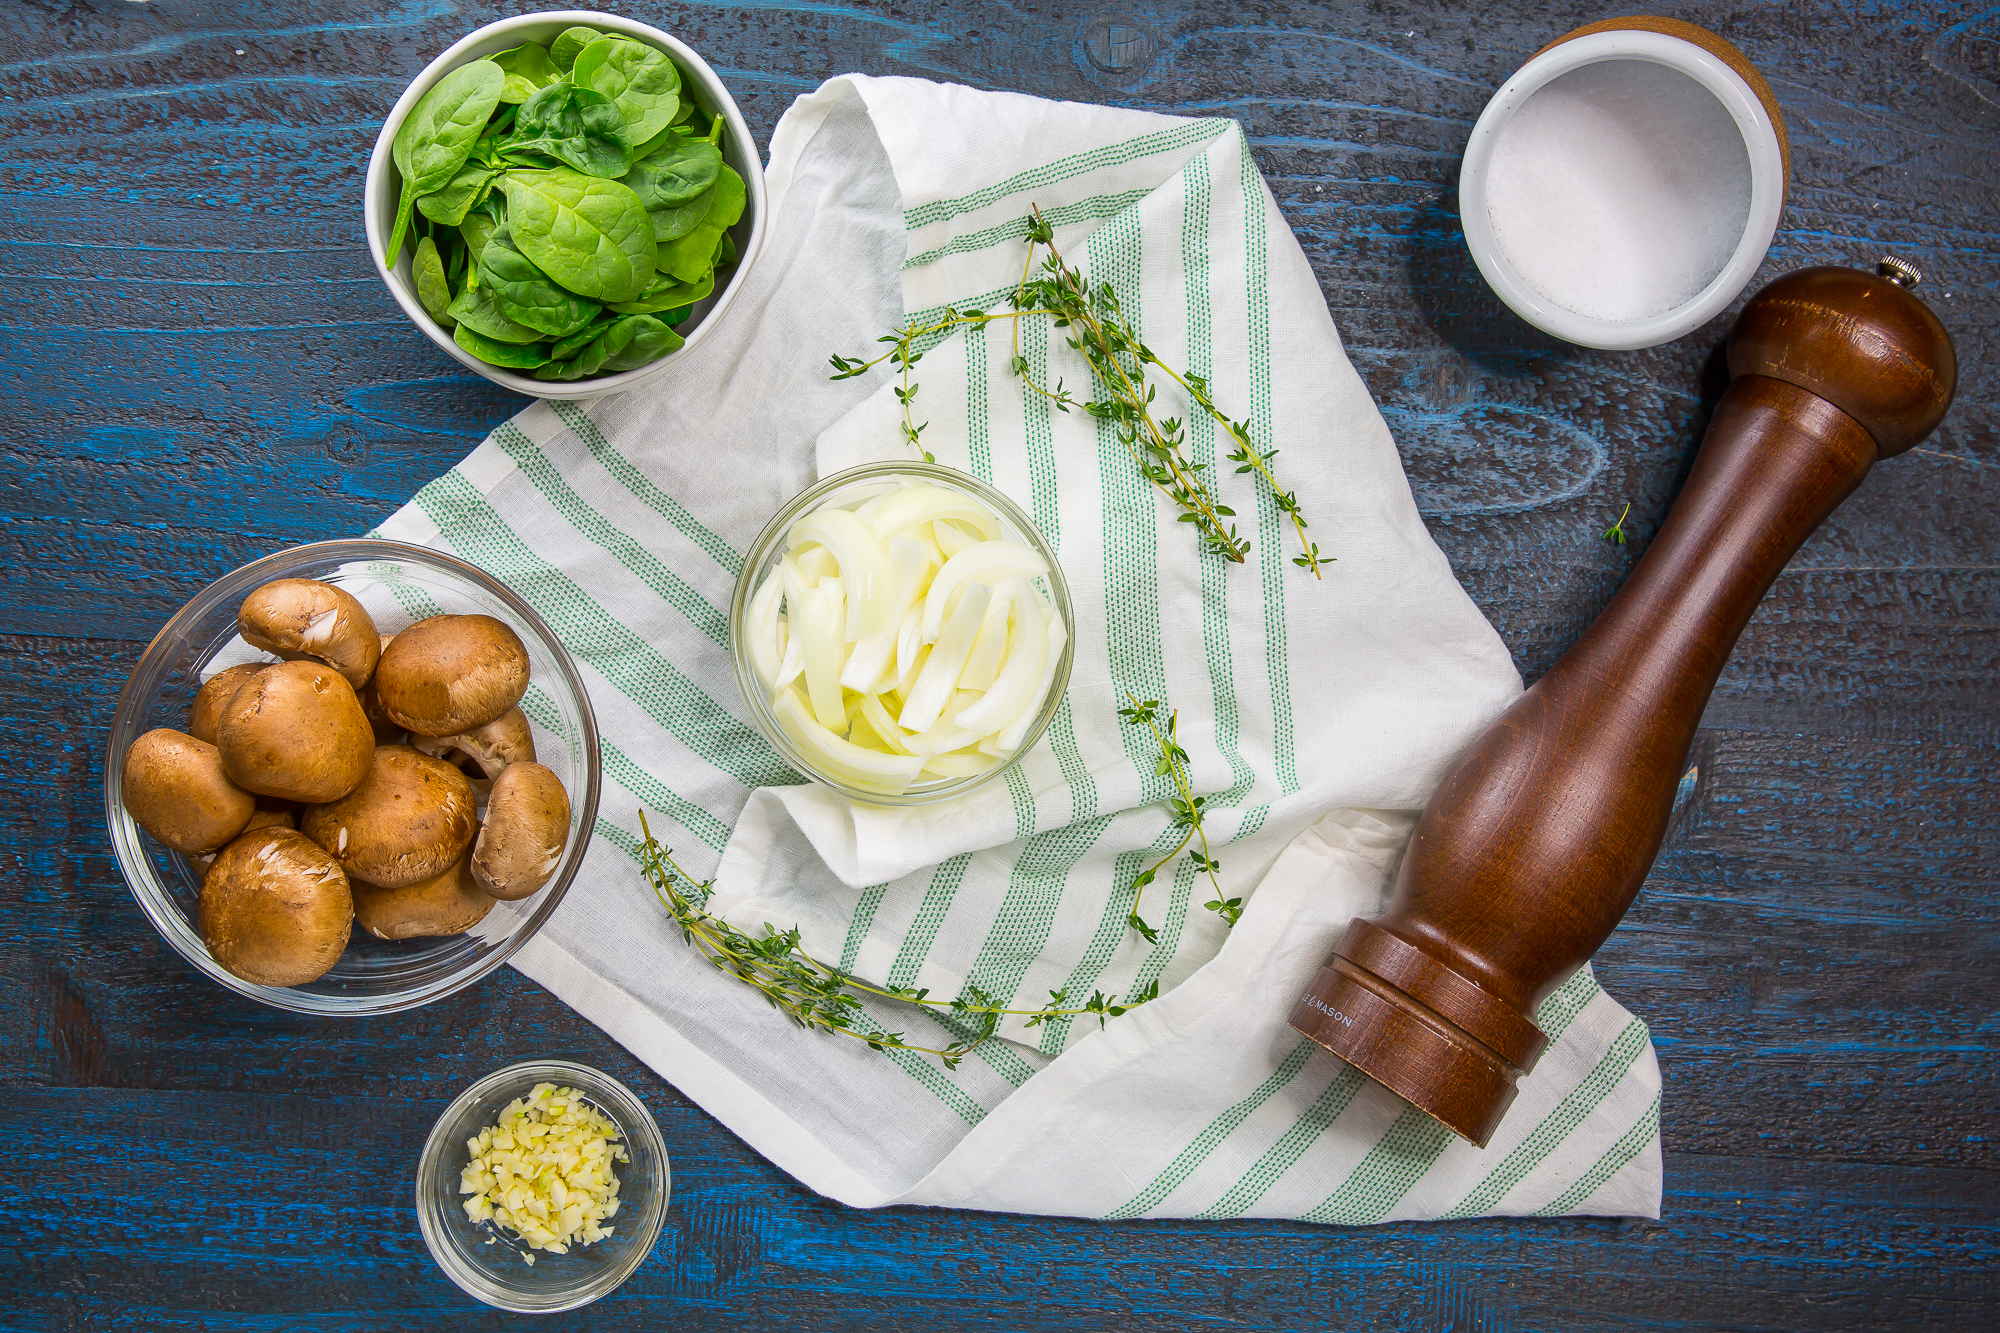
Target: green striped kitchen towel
1318 716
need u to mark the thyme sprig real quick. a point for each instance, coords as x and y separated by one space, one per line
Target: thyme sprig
1616 532
1187 810
824 998
1119 359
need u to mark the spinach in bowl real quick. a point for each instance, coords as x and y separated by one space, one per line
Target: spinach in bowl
566 205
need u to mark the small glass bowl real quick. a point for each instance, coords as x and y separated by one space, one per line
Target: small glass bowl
856 484
496 1273
399 584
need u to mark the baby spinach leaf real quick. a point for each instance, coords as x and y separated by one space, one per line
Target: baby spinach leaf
478 228
671 134
528 70
562 51
473 183
565 348
725 202
639 78
635 340
524 293
677 220
434 140
590 235
475 309
720 206
689 255
512 356
676 172
451 250
573 125
433 287
627 344
666 292
692 255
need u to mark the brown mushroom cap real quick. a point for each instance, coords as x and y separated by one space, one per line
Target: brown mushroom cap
214 696
301 619
503 741
175 789
449 674
275 908
445 904
295 730
527 826
409 819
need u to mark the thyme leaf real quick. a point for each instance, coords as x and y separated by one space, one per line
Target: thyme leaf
1187 811
1616 532
823 998
1118 359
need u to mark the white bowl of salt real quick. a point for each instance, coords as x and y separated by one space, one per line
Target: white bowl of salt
1623 186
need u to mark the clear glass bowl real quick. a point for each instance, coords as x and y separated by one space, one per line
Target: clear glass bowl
853 486
496 1273
399 584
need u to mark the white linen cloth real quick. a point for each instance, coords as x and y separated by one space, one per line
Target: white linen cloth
1318 715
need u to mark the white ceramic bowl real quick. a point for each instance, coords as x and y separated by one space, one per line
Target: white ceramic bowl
738 150
1767 168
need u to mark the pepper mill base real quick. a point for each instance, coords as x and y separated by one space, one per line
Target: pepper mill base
1448 1047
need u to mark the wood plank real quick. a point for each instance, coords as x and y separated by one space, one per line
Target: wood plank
299 1207
202 368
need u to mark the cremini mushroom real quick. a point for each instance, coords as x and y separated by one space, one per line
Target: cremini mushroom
302 619
214 695
444 904
175 789
503 741
295 730
408 820
261 818
275 908
449 674
386 730
527 825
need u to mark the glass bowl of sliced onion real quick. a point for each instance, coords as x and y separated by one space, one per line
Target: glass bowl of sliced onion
901 633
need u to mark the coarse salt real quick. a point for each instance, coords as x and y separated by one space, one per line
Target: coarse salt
1619 190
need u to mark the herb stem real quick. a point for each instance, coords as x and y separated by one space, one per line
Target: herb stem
824 998
1118 359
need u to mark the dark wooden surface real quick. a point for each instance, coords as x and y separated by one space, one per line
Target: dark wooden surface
202 367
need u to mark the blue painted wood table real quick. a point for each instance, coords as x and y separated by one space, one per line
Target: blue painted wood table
202 367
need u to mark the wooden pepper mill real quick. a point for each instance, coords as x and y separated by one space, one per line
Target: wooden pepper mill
1534 846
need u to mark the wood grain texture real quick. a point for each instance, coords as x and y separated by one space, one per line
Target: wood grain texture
203 368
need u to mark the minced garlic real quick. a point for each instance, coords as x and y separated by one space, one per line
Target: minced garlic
544 1171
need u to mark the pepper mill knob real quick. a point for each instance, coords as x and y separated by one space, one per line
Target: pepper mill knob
1863 343
1537 842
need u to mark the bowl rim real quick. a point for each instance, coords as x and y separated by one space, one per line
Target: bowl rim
180 933
773 532
1767 188
637 1122
484 41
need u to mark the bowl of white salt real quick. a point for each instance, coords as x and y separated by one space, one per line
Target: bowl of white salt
1624 185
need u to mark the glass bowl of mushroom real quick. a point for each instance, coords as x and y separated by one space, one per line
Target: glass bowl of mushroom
352 777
